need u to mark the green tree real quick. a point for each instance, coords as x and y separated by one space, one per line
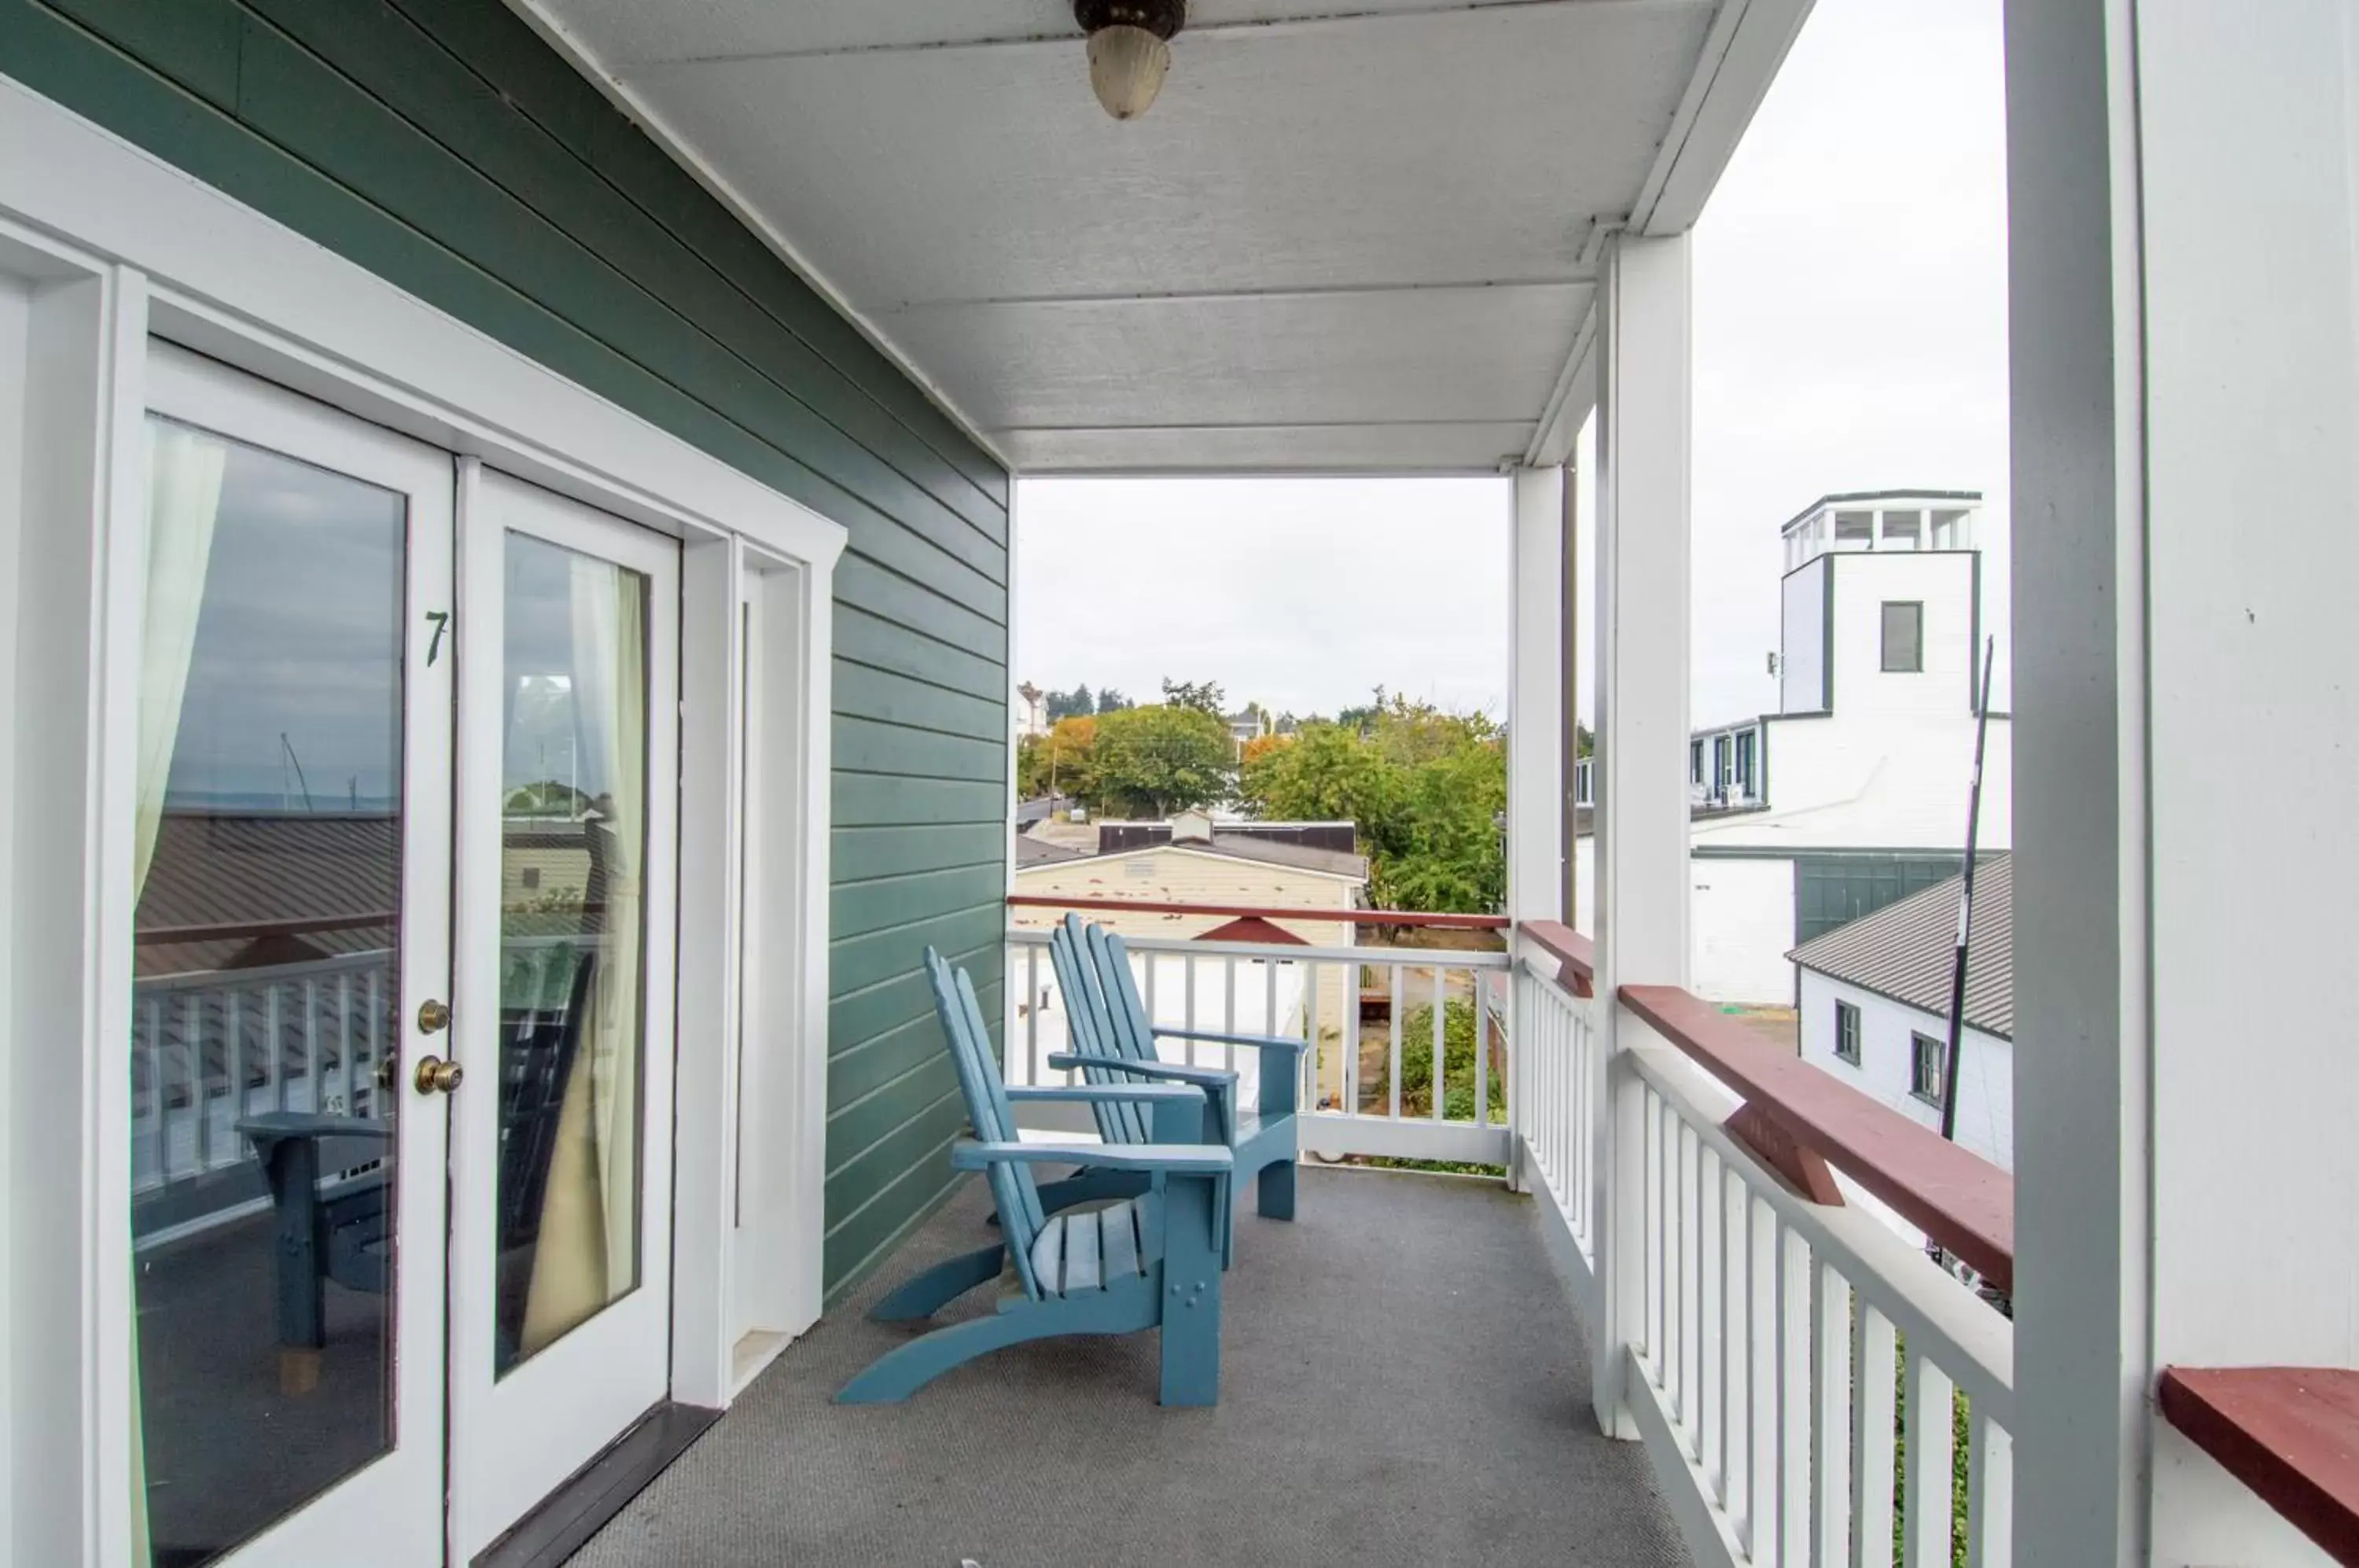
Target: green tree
1324 773
1111 701
1065 704
1204 696
1425 788
1154 761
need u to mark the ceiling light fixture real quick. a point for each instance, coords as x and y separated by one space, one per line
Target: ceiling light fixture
1129 49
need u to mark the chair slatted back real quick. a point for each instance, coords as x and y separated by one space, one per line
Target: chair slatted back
1012 1187
1091 1033
1111 958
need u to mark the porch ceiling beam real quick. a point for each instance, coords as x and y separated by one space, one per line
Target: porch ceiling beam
1582 275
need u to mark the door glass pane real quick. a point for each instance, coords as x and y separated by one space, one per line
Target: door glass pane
265 942
573 938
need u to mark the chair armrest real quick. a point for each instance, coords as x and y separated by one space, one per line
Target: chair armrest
1265 1041
1172 1158
1207 1077
1146 1093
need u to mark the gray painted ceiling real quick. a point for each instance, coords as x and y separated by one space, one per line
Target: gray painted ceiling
1352 234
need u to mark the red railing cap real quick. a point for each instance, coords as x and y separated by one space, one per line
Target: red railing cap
2290 1434
1956 1197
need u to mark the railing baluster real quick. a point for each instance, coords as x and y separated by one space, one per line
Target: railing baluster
311 1072
274 1025
1794 1397
1148 965
1656 1220
157 1102
1032 1064
1990 1493
1393 1010
1874 1375
1929 1524
1187 1002
1690 1318
375 1024
1229 1011
1830 1418
1763 1351
1440 1047
346 1104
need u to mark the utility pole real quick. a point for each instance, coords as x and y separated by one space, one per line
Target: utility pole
1965 907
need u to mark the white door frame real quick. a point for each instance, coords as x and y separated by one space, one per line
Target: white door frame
402 1490
121 244
516 1438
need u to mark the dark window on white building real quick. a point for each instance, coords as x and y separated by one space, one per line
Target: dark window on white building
1847 1032
1925 1055
1904 637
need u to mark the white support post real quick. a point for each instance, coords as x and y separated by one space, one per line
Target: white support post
1641 809
2184 408
1537 713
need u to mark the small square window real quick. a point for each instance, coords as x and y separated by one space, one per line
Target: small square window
1855 527
1926 1055
1847 1032
1904 637
1902 530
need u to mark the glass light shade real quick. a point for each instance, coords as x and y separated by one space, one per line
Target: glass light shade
1127 67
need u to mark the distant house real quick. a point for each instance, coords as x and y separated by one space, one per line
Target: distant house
1875 1004
1251 725
1854 793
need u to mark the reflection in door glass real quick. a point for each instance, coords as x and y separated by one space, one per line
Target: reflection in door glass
266 946
572 941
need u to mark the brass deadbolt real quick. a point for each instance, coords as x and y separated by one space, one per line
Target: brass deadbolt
433 1016
436 1076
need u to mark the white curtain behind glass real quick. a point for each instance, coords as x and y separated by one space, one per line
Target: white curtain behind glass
586 1254
184 487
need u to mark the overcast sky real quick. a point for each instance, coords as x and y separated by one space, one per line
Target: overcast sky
1850 334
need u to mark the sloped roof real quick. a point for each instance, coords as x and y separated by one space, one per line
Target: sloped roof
1907 951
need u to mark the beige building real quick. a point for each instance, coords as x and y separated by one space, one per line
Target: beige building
1196 860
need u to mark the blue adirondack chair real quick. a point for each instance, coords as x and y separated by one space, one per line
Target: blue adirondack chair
1148 1261
1117 1039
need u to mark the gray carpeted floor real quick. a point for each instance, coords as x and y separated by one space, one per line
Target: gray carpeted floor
1401 1384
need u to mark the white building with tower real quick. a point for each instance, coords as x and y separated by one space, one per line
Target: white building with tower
1854 792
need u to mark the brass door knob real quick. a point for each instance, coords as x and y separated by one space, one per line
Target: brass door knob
433 1016
436 1076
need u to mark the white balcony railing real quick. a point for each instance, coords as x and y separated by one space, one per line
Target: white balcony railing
1800 1371
1409 1055
209 1049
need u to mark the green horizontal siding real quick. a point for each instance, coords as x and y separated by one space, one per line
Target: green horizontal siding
441 145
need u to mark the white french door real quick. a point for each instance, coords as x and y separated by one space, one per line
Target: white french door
291 948
561 1159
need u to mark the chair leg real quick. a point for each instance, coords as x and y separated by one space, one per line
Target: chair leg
901 1372
1192 1292
928 1293
1274 1190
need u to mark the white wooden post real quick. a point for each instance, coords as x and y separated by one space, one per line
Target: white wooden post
1537 712
1643 375
2186 463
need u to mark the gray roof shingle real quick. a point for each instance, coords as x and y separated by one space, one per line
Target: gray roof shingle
1907 950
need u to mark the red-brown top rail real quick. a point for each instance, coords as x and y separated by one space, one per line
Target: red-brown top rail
1246 912
1576 956
2290 1434
1957 1197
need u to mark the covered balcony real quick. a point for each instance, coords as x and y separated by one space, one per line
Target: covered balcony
1583 1270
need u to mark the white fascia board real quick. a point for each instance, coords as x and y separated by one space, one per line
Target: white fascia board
1740 56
